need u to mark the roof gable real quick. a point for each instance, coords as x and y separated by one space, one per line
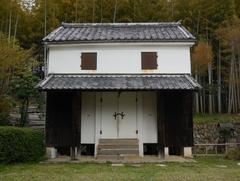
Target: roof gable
119 32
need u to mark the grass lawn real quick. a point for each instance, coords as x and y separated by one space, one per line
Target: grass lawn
215 118
206 168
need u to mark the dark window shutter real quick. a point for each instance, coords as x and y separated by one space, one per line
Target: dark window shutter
89 61
149 60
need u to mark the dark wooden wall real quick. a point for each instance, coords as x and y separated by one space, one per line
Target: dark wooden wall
63 118
175 122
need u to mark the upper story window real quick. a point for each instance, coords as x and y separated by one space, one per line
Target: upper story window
149 60
89 61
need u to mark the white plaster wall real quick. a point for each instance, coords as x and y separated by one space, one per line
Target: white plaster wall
88 117
120 58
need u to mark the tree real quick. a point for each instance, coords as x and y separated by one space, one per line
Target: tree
13 61
22 88
202 57
229 32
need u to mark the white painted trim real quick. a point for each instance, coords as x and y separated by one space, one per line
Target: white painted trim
121 44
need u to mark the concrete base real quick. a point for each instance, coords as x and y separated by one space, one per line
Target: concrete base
133 160
51 152
187 152
166 151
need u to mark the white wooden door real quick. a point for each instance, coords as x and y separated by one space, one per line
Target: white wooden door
127 123
109 106
123 105
88 117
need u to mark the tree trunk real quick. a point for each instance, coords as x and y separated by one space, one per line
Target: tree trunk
15 29
134 10
24 112
210 88
10 25
76 11
196 96
101 11
45 17
230 85
93 11
219 80
115 11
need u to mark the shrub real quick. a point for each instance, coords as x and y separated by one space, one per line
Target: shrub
233 154
20 145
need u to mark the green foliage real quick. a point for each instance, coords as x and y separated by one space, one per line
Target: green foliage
22 87
16 77
5 107
233 154
215 118
20 145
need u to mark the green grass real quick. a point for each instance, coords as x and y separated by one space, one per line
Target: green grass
215 118
206 168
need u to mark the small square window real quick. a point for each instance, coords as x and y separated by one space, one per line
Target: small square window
89 61
149 60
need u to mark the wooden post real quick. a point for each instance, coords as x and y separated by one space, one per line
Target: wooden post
76 124
160 124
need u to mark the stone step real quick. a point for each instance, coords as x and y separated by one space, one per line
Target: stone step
118 141
118 157
109 157
117 151
115 146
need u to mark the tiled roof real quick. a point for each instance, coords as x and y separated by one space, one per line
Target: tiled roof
119 82
119 32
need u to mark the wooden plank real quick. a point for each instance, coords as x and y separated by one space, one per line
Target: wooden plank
59 118
160 123
76 119
175 124
76 124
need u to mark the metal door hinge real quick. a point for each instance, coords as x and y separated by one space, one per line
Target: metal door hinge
100 131
136 131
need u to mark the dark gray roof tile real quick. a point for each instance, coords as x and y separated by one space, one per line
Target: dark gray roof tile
119 82
119 32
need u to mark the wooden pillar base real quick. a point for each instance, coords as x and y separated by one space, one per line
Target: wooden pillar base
73 153
51 152
187 152
166 151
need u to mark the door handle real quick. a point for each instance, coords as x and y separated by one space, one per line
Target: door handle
122 115
115 115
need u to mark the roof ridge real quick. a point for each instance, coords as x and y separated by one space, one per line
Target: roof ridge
65 25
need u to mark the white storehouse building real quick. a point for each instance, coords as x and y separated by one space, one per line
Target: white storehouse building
119 89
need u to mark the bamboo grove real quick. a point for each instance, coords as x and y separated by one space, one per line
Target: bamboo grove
215 23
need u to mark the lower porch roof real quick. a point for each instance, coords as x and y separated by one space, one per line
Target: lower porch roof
119 82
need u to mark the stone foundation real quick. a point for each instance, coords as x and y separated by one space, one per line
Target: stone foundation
187 152
166 151
51 152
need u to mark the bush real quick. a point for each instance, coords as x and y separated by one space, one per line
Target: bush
233 154
20 145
